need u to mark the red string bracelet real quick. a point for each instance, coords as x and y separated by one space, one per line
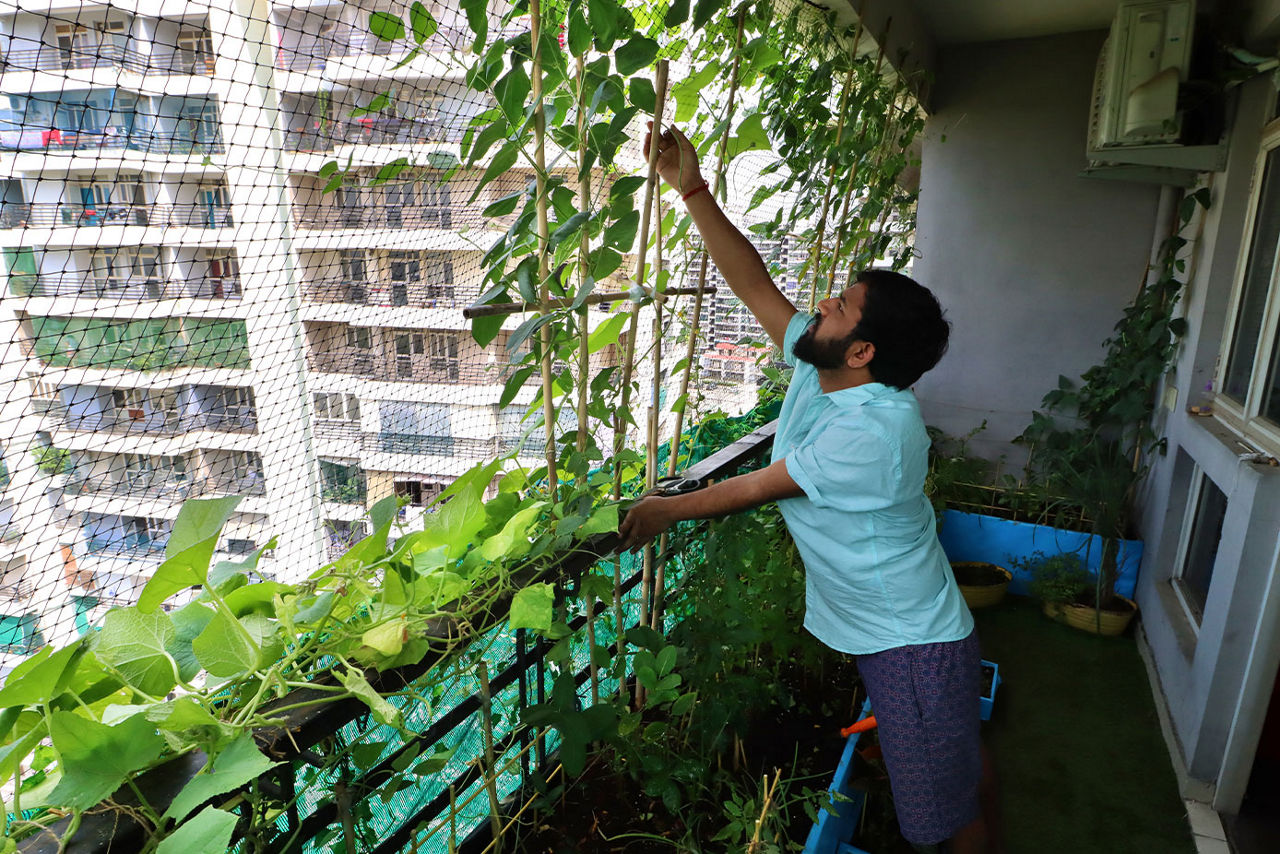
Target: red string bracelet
694 191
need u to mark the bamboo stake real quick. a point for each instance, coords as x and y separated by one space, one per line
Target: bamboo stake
584 341
690 350
619 436
496 308
769 791
875 78
816 253
453 820
544 238
490 770
648 582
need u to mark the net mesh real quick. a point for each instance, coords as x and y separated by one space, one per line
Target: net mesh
238 239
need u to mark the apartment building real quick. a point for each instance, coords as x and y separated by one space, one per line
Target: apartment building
193 316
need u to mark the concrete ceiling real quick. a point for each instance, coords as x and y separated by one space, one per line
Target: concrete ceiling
960 21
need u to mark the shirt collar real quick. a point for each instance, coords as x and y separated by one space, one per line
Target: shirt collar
859 394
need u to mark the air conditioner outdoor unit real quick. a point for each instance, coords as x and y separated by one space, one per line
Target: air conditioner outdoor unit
1135 100
1135 118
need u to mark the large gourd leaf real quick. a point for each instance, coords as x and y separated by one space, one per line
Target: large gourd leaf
226 648
41 677
239 763
208 833
96 759
137 645
189 549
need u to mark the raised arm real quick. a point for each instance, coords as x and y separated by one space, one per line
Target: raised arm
737 260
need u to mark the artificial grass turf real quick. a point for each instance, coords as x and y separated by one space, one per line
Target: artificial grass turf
1076 742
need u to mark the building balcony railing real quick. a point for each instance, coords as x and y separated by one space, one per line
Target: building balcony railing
166 488
133 548
138 288
159 423
317 56
17 592
326 428
107 139
52 58
56 214
446 217
10 533
402 369
387 294
322 135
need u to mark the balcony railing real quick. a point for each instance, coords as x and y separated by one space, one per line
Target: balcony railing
55 214
131 548
160 423
319 55
401 369
446 217
387 294
113 138
135 288
51 58
17 592
309 134
166 489
10 533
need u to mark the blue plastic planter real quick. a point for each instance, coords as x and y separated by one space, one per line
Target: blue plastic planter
833 834
972 536
985 704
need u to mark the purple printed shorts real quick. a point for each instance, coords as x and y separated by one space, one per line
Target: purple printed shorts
925 699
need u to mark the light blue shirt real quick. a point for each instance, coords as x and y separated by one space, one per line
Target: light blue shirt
876 575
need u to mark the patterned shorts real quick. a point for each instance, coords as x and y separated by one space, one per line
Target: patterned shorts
925 699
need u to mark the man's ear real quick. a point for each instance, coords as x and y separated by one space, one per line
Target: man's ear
859 354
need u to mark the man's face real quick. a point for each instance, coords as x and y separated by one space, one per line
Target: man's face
827 340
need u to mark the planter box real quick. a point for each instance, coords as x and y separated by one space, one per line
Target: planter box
970 536
833 834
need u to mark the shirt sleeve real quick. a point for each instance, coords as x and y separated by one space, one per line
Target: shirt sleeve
847 468
795 328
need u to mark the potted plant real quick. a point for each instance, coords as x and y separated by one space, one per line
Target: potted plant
982 584
1066 590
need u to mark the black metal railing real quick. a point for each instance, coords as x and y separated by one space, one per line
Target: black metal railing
140 288
442 217
304 726
387 294
58 214
54 58
421 369
161 423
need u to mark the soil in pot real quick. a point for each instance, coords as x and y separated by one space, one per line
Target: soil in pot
981 584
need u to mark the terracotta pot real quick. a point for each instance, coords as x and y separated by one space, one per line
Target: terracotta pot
1085 618
982 595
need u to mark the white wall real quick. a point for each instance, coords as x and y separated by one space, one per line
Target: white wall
1032 263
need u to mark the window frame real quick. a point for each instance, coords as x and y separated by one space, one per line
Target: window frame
1246 417
1193 613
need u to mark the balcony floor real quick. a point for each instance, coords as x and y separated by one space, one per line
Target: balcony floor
1076 741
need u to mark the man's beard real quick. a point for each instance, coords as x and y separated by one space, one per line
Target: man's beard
823 355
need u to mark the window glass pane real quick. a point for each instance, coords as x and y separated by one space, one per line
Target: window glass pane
1202 547
1257 279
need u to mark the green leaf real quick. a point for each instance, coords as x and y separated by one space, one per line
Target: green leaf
485 139
568 228
531 608
603 520
385 26
226 648
256 598
603 262
523 332
456 523
499 165
637 53
512 91
503 206
236 765
686 92
513 540
514 384
188 622
13 754
604 16
387 638
477 20
622 233
421 21
208 833
703 11
579 35
182 715
640 92
137 644
353 680
96 758
379 103
677 14
607 333
387 171
751 136
41 677
189 548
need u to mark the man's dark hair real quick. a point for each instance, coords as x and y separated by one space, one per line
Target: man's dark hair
904 321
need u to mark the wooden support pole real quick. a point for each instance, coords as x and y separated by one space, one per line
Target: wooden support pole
490 771
544 239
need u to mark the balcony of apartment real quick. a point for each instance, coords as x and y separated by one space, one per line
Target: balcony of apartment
413 293
165 487
58 215
90 291
172 48
392 367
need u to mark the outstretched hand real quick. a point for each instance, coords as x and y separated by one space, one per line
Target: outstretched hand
677 159
645 519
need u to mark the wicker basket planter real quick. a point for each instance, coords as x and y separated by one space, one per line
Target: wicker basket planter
981 584
1085 618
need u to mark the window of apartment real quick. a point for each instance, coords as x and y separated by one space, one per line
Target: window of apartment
1200 547
443 358
398 197
1249 380
438 276
195 51
130 401
350 200
239 546
245 465
198 122
405 268
436 205
118 267
419 493
234 401
407 346
352 263
336 406
359 338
